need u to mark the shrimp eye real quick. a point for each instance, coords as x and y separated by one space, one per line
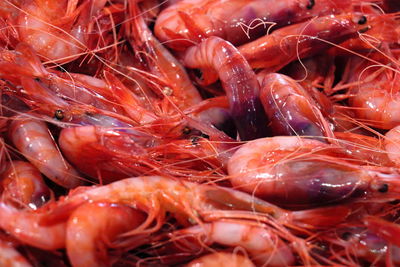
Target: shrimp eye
346 236
310 4
383 188
362 20
59 114
186 130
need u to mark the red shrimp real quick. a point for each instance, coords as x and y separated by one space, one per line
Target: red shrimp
373 93
221 258
23 184
10 257
27 228
236 21
34 141
93 227
296 172
238 80
392 144
159 61
63 26
301 40
260 241
290 109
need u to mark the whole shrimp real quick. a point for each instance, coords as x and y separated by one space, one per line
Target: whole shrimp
177 86
297 172
220 258
302 40
58 31
290 109
87 242
22 183
236 21
238 81
34 141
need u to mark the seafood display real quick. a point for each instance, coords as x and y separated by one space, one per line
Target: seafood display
199 133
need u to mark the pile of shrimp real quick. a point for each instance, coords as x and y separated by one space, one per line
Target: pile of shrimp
199 133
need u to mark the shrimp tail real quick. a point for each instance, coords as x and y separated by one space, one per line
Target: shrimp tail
321 217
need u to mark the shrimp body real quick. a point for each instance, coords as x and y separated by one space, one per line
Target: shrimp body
264 246
94 226
300 40
238 80
57 30
23 183
10 257
34 141
236 21
290 109
220 258
296 172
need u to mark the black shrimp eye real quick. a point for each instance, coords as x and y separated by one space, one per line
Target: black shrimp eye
346 236
59 114
310 4
186 130
383 188
362 20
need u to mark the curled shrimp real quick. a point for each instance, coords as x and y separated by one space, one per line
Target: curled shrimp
87 242
34 141
238 80
23 184
297 172
236 21
290 109
220 258
301 40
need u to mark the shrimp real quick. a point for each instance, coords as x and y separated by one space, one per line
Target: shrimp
238 80
93 227
10 257
27 228
373 93
23 184
236 21
62 26
392 143
296 172
261 242
290 109
160 62
34 141
220 258
301 40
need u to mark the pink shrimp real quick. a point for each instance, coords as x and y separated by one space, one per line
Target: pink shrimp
62 26
260 241
296 172
373 93
236 21
22 183
93 227
301 40
27 228
160 62
238 80
392 145
10 257
220 258
290 109
34 141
